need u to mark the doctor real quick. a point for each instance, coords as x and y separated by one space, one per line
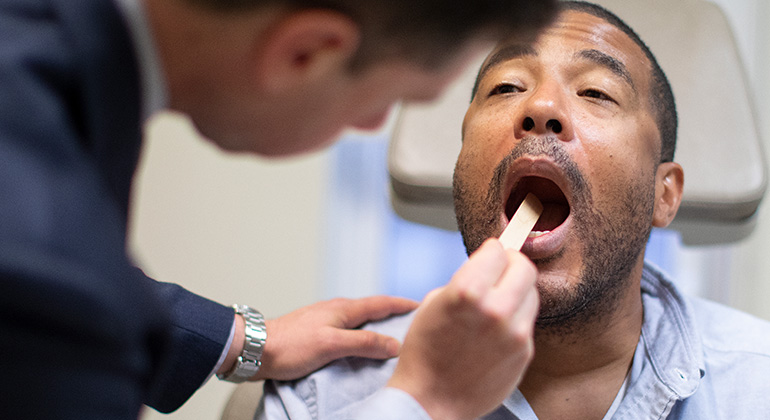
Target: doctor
83 332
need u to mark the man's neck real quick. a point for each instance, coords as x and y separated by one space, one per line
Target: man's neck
578 374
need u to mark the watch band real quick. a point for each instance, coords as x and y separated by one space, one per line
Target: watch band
248 362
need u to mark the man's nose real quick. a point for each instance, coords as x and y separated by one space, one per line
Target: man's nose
543 113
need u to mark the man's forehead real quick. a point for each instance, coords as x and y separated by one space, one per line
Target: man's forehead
593 38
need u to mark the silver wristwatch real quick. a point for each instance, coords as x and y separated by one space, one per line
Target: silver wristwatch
248 362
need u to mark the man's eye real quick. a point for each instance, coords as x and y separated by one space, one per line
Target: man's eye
504 88
595 94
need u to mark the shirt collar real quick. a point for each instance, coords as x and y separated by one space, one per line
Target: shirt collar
668 363
154 89
671 340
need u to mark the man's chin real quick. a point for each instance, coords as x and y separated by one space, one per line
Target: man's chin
548 263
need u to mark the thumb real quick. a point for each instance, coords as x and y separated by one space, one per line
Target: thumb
432 295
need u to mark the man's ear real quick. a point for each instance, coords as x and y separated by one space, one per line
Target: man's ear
304 47
669 181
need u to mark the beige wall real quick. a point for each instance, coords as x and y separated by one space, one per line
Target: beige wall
233 229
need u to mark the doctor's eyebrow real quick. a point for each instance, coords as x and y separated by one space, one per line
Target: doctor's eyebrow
609 62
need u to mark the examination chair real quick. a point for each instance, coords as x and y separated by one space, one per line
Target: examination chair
695 47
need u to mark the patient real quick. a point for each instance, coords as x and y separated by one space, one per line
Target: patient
585 120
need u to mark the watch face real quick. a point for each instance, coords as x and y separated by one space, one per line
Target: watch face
247 368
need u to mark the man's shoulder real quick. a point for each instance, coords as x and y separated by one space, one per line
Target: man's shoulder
361 373
719 327
728 330
349 369
394 326
736 363
339 385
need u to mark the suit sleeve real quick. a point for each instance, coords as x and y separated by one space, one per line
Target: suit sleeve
83 333
199 333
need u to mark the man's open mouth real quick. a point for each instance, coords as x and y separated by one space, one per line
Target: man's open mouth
556 207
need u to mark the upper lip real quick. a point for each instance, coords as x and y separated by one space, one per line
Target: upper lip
535 166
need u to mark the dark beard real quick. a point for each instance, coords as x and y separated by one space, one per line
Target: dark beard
611 241
612 244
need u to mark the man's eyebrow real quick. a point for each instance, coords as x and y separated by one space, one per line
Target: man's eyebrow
506 53
609 62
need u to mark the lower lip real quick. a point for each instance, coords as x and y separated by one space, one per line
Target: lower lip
548 244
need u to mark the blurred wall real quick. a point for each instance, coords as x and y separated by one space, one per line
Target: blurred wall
231 228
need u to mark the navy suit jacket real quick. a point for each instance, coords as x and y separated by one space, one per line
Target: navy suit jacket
83 333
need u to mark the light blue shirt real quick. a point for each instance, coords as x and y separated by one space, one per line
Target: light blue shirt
695 360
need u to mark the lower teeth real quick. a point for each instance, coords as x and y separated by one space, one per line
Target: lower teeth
536 233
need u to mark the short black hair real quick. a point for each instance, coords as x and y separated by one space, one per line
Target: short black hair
661 97
426 32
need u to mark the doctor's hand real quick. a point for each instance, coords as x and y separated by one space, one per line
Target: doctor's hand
471 341
304 340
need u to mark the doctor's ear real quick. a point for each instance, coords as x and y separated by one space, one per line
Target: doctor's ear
305 47
669 182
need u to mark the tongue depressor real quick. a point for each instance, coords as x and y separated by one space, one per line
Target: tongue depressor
521 223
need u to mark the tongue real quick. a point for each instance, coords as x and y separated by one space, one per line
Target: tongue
553 215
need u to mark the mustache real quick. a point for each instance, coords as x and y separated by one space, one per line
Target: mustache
549 146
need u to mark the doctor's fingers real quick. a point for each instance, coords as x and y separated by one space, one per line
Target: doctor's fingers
480 272
517 284
522 322
354 312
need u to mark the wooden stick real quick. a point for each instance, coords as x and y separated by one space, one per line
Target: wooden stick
521 223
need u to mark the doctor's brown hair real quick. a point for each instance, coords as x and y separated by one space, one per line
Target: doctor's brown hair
426 32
